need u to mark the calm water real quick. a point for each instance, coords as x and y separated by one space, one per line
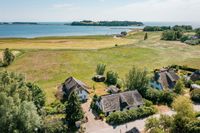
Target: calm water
58 29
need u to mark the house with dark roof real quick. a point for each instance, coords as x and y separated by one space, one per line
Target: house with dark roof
70 85
120 101
164 78
195 76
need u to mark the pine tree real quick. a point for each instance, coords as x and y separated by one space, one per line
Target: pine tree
145 36
73 111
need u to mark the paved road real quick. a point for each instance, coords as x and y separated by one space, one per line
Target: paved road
98 126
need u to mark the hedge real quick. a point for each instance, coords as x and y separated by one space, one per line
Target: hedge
186 68
121 117
195 95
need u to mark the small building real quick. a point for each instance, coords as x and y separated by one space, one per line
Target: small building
72 84
99 78
195 76
113 89
166 78
195 86
120 102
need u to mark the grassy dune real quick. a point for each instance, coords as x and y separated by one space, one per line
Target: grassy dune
49 68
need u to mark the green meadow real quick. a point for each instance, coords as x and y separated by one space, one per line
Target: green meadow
49 61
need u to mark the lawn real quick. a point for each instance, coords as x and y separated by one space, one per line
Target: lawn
50 67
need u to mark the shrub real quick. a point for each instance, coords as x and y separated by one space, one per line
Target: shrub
182 28
55 108
184 38
179 87
197 32
162 97
8 57
156 28
147 103
171 35
100 69
195 95
56 126
111 78
193 42
154 95
197 82
117 118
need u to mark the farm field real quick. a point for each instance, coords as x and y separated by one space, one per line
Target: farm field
49 64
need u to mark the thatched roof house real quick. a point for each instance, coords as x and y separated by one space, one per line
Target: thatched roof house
167 79
72 84
120 101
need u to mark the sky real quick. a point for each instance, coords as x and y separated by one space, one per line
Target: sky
75 10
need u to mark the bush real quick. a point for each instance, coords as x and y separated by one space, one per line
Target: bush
55 108
156 28
171 35
197 82
182 28
8 57
195 95
184 38
197 32
100 69
193 42
56 126
111 78
147 103
117 118
160 97
154 95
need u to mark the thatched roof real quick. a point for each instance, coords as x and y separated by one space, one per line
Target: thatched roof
167 77
114 102
195 76
113 89
71 84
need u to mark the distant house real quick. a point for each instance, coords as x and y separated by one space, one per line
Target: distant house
195 76
72 84
166 78
113 89
119 102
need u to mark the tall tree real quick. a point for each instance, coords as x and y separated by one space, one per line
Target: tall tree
185 113
74 110
17 110
8 57
137 79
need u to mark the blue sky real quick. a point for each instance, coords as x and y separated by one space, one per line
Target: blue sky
70 10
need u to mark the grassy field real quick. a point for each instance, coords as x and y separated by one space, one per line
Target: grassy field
87 42
50 67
